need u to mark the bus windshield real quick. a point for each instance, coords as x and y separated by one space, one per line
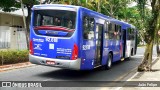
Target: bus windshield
60 18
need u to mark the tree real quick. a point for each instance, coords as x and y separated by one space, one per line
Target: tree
96 5
91 4
137 19
25 27
12 5
9 5
157 38
114 7
150 32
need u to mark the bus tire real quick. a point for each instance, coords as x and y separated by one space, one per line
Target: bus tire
109 62
132 52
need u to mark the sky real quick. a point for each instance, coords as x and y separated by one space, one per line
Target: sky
134 4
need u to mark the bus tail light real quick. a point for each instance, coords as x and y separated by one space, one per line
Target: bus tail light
74 52
31 47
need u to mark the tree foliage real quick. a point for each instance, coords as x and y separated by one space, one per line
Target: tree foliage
9 5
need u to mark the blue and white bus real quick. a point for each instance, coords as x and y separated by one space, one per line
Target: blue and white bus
75 37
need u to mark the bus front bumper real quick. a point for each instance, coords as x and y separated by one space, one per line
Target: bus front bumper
68 64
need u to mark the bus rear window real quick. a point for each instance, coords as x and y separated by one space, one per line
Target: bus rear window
59 21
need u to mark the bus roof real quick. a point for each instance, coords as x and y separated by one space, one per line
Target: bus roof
50 6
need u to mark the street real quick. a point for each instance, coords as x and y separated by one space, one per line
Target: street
44 73
76 36
118 71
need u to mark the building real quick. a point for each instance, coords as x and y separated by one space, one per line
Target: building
12 34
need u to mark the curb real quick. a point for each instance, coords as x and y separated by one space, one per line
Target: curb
15 66
136 74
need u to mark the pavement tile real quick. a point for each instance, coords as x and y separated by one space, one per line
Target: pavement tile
146 76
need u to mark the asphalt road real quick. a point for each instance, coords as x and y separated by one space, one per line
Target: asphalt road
44 73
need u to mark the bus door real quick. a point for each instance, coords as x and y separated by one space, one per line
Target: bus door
88 47
124 42
99 45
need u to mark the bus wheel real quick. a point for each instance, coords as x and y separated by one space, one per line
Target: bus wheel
109 62
132 52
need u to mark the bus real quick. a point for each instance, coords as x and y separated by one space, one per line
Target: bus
74 37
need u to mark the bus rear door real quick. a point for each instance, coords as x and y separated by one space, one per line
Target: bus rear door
99 45
88 42
124 42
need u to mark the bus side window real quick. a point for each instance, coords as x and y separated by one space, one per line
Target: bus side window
129 32
106 30
116 32
88 27
110 31
120 33
133 34
113 31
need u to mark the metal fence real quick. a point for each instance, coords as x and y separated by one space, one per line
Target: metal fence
21 39
12 38
4 37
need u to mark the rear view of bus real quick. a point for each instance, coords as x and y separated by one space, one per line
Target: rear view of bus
53 36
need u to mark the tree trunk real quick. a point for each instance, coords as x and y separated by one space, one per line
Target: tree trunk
28 24
157 38
149 38
157 43
158 50
98 6
147 60
111 11
28 18
25 27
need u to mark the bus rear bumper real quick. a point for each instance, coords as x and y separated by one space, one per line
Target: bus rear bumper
68 64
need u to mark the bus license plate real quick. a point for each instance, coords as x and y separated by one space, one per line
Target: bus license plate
50 62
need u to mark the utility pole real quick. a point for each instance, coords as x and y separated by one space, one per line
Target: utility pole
25 27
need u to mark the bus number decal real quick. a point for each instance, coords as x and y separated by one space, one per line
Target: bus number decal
86 47
49 39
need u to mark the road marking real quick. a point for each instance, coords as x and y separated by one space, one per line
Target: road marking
118 88
143 55
121 77
47 79
141 47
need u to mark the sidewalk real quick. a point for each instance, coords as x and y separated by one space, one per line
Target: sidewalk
147 76
15 66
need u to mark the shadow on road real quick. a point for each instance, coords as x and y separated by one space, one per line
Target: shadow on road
118 69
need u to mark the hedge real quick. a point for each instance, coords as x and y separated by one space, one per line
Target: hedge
13 56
